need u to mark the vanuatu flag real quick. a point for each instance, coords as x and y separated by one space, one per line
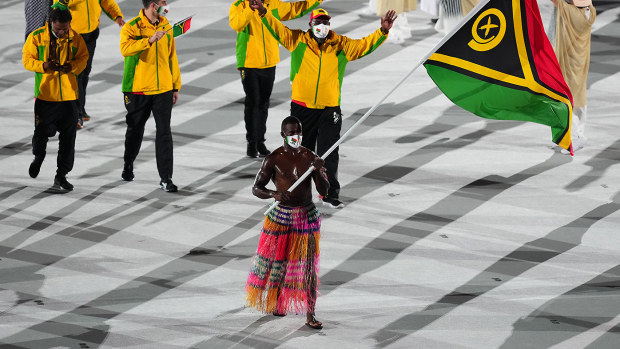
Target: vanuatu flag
182 26
499 64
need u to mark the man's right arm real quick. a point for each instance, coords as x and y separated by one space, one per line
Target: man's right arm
239 15
297 9
286 37
130 46
263 177
30 56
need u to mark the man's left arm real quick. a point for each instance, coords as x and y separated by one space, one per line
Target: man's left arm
112 10
290 10
319 176
78 63
359 48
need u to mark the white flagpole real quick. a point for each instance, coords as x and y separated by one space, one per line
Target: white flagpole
365 116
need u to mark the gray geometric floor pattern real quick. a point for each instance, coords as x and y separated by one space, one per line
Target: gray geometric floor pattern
459 232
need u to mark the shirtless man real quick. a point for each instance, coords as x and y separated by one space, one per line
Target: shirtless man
284 275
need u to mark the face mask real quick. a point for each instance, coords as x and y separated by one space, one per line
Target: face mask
294 141
55 35
320 31
163 10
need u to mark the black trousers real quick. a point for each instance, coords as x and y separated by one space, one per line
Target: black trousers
257 84
139 108
321 129
82 79
52 117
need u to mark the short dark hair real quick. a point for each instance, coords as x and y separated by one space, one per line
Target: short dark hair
146 3
290 120
60 15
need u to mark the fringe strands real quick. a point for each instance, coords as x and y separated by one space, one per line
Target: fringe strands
284 274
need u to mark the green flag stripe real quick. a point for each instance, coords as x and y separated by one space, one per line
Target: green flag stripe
489 99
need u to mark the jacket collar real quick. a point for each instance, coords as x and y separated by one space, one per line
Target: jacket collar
331 39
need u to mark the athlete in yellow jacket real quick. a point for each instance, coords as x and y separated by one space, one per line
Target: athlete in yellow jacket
56 53
150 67
318 61
151 81
54 85
257 55
86 14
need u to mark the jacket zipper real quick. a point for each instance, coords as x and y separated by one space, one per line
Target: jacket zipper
316 93
59 73
264 48
157 62
88 15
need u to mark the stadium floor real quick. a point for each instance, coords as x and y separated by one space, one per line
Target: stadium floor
459 232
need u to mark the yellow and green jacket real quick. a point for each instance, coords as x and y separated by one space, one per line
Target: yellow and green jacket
149 68
86 13
256 48
317 71
54 86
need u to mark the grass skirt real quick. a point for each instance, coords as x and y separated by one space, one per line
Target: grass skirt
284 275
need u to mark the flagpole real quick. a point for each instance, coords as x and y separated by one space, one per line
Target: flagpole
346 134
400 82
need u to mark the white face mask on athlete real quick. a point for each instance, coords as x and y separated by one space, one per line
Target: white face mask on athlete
163 10
294 141
320 31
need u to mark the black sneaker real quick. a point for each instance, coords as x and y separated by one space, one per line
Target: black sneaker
35 166
80 124
61 183
333 203
168 186
85 117
127 174
262 150
252 151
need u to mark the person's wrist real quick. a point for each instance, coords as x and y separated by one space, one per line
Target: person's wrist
384 31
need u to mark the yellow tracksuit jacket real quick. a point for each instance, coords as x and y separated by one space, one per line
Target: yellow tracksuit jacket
256 48
317 71
55 86
86 13
149 68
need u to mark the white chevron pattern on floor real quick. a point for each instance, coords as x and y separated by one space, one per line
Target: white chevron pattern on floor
459 232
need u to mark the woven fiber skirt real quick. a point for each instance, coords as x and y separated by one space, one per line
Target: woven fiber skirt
286 264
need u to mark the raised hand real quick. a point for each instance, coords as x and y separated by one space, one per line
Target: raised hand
387 21
157 36
258 5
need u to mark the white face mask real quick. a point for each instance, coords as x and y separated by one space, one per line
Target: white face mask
294 141
320 31
163 10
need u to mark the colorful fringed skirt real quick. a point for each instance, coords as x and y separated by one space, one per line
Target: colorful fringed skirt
284 275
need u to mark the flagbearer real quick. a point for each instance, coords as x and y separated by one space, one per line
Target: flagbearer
151 83
284 276
57 54
572 48
257 56
318 60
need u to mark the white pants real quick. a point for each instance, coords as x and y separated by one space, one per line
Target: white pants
579 122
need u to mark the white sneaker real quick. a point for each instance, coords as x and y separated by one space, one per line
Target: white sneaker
333 203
